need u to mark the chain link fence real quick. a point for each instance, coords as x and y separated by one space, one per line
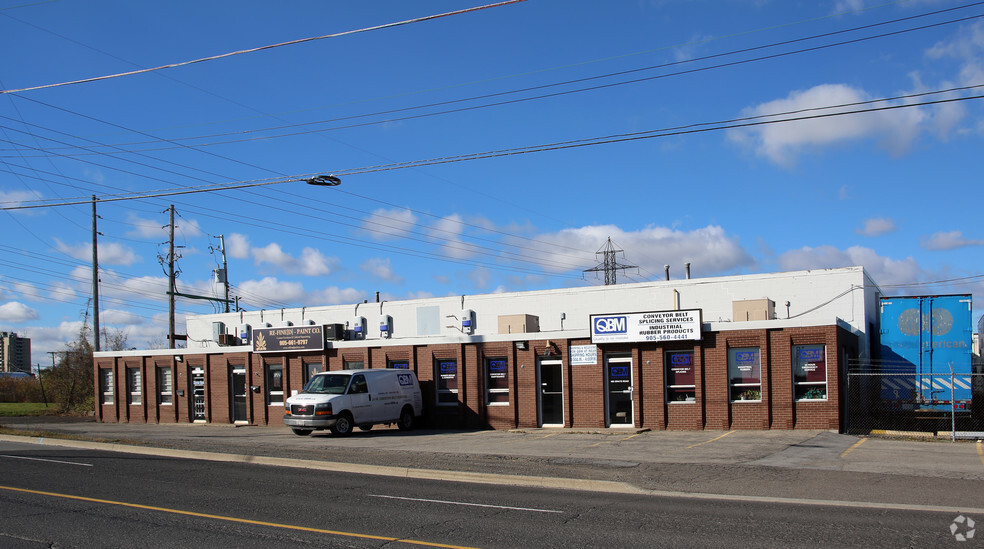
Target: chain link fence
944 405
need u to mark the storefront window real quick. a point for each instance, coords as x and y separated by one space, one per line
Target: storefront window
497 381
745 373
353 364
310 369
809 372
164 387
275 384
680 385
399 364
133 389
446 374
105 386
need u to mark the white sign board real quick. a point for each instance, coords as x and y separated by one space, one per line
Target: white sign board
652 326
584 355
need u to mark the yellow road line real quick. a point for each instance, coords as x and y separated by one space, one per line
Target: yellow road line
595 445
707 441
853 446
980 452
233 519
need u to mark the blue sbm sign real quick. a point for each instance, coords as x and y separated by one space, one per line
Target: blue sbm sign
610 325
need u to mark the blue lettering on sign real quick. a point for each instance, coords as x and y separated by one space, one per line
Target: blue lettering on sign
497 365
449 367
405 380
402 365
610 325
618 372
681 359
811 354
746 357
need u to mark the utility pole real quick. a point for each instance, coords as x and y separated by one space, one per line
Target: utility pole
170 278
95 278
225 272
609 264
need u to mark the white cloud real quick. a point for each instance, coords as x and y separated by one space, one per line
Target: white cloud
884 270
187 228
237 246
146 228
118 317
14 311
480 277
382 269
877 226
449 230
782 143
27 291
271 289
948 241
390 224
311 263
708 249
110 253
334 296
10 199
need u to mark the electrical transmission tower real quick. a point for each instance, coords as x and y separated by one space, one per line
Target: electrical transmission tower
608 263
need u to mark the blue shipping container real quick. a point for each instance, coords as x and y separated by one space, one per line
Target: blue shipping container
925 352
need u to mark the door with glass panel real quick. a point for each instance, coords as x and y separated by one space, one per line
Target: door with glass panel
239 394
618 381
550 376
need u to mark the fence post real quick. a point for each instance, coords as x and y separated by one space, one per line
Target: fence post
953 409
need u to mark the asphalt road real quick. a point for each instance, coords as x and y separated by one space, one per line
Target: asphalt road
70 497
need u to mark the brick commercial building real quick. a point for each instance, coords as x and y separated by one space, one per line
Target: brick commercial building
767 351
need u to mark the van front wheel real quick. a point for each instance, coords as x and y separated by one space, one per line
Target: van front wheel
406 419
342 426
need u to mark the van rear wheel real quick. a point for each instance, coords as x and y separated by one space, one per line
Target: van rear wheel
302 432
406 419
342 426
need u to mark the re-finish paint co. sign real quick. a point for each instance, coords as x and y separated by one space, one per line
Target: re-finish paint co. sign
651 326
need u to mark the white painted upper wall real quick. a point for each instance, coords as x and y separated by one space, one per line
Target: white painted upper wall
818 297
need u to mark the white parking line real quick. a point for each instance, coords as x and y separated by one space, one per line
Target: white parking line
468 504
48 460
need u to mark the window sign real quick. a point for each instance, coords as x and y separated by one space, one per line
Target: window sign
809 372
399 364
497 380
584 355
680 377
745 373
447 382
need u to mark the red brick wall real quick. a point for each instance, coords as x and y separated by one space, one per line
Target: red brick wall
584 385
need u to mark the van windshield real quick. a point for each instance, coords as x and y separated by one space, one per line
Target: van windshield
328 384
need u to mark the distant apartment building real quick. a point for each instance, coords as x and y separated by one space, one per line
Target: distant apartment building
15 353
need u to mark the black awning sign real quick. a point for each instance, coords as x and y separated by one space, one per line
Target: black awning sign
290 338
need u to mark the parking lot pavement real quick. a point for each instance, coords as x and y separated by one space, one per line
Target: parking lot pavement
804 464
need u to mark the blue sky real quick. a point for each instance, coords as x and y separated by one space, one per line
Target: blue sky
586 119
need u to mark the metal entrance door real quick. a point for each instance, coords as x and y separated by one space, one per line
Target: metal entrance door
198 395
239 395
550 375
618 379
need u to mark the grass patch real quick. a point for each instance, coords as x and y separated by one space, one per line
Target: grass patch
14 409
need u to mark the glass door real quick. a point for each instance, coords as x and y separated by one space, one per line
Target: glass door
618 374
198 395
239 395
550 375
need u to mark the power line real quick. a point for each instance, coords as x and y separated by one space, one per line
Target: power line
267 47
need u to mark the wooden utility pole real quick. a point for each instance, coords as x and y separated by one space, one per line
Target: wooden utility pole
171 288
95 278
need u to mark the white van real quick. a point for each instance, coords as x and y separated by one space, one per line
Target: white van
344 399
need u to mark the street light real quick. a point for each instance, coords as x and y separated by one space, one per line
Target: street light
324 181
